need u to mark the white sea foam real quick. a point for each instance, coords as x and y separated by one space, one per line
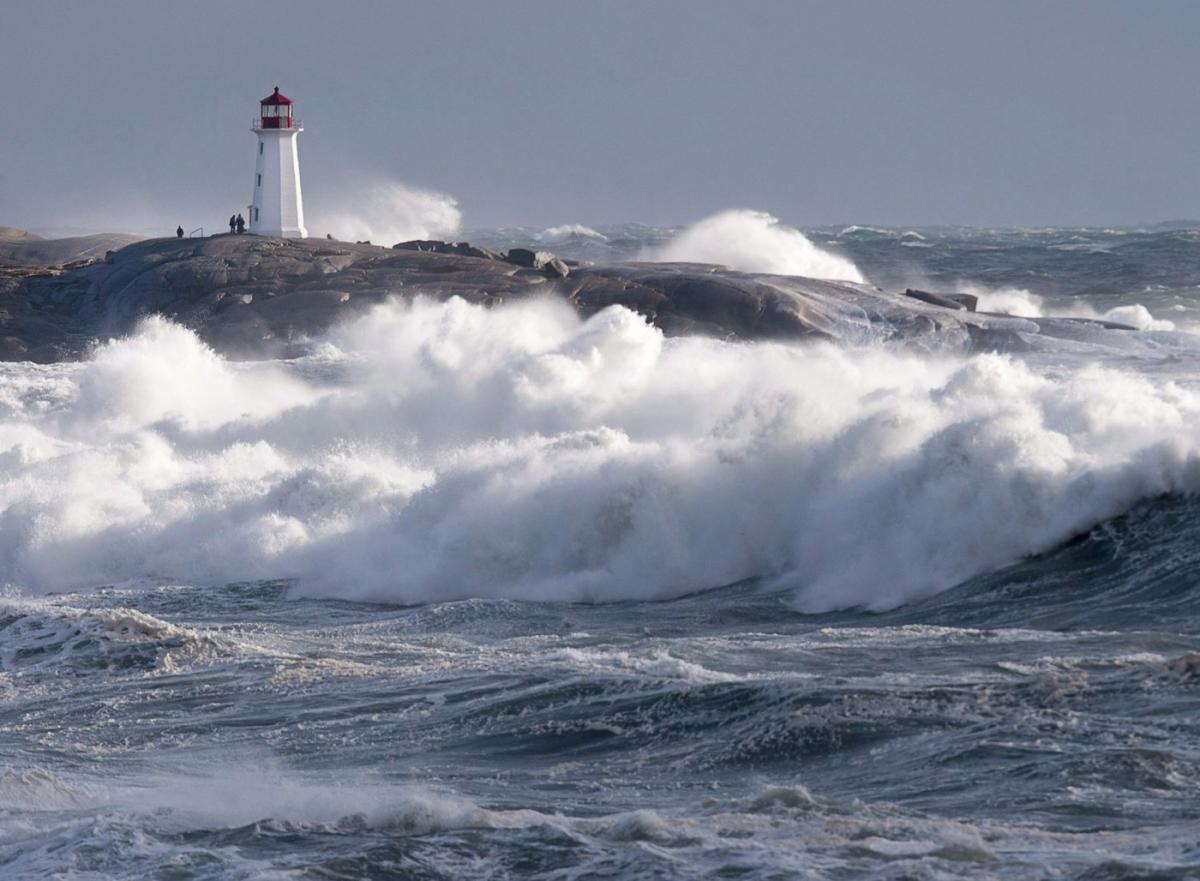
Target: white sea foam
276 822
238 796
257 791
753 241
656 664
521 452
39 636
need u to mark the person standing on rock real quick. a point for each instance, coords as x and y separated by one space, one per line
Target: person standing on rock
179 232
232 222
241 224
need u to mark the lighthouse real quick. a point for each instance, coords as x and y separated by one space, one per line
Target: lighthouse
277 208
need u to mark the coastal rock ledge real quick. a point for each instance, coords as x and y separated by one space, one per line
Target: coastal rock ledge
249 296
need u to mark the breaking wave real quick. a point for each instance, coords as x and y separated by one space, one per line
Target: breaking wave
569 231
436 451
1025 304
754 241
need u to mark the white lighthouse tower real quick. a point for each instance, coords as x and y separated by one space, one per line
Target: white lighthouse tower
278 207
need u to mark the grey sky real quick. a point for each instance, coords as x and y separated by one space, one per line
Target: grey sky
134 115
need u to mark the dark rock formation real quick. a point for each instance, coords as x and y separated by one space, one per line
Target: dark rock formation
463 249
948 301
522 257
249 296
21 248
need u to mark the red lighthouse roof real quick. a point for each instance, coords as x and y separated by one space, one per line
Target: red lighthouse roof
276 98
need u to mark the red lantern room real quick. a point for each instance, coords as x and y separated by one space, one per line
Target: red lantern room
276 110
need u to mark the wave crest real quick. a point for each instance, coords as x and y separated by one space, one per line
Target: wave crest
569 231
754 241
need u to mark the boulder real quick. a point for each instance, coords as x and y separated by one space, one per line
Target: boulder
543 261
522 257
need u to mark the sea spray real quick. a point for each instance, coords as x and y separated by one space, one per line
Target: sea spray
1005 300
435 451
753 241
1026 304
387 212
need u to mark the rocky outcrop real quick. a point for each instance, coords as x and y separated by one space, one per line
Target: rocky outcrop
543 261
463 249
250 296
12 234
20 248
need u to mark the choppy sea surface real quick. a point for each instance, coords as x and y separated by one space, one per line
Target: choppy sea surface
471 594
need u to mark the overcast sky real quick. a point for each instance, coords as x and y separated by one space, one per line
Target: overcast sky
133 116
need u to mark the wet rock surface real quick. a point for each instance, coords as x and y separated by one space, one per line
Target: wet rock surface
250 296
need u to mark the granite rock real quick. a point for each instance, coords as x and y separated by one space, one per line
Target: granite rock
251 296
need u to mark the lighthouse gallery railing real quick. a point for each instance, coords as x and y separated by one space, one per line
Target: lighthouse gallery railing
257 125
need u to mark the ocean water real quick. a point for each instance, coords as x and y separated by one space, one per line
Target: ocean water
503 594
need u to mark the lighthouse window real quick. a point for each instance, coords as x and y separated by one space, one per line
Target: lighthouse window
258 182
260 148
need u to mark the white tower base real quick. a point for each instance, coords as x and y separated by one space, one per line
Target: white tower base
278 206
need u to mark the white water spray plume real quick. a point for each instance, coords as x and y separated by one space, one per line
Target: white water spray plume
1025 304
390 212
435 451
753 241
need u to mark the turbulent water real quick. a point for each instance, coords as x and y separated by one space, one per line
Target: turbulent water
503 594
